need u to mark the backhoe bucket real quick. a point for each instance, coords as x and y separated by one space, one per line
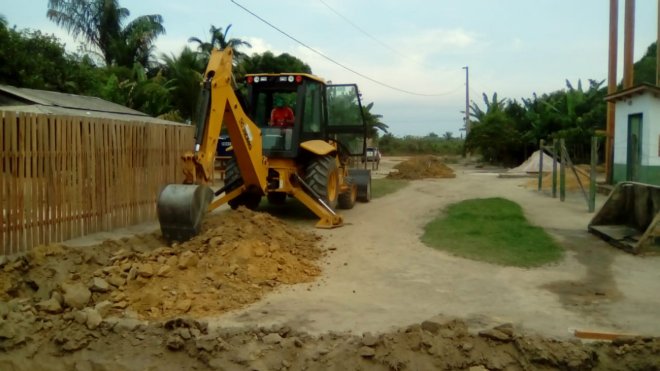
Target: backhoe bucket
181 208
629 218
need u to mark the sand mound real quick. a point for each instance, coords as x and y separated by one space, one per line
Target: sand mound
572 183
237 258
422 167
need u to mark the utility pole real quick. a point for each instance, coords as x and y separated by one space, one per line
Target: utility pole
657 51
628 43
611 88
467 101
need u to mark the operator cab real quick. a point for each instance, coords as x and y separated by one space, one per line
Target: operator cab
320 111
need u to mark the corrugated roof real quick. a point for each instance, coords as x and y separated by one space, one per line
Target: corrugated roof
55 103
635 90
64 100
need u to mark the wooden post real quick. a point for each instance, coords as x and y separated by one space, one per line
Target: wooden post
562 171
611 87
541 143
555 150
628 44
592 174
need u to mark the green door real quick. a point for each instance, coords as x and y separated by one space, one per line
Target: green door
634 160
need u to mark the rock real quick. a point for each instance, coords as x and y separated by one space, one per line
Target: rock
120 304
172 261
369 340
3 260
76 295
132 274
207 343
164 270
80 316
184 333
103 308
184 305
495 334
145 270
366 352
272 338
57 296
174 342
431 326
51 306
187 259
478 368
116 280
127 324
94 318
98 284
7 330
298 343
506 328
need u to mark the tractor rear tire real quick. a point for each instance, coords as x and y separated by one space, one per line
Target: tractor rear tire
347 199
322 176
247 199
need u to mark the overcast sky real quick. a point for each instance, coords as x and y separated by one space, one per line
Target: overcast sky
512 47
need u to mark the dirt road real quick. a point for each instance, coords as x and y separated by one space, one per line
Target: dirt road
381 300
381 276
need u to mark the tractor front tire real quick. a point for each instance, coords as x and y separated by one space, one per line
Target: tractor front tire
347 199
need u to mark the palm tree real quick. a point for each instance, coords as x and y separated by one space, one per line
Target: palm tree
100 24
184 74
219 41
373 121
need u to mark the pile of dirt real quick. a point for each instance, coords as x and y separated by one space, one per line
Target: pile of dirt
422 167
237 258
571 184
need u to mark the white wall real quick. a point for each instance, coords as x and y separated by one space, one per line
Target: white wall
649 107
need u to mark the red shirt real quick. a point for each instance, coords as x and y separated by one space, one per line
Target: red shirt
281 116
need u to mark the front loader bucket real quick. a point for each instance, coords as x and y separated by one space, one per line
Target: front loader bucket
629 218
181 208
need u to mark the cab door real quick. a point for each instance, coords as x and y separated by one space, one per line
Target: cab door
345 119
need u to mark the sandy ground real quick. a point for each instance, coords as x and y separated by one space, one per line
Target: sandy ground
381 276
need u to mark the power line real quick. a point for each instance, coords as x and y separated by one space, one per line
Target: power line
336 62
362 30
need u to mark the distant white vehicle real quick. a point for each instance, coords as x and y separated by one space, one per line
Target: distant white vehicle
373 154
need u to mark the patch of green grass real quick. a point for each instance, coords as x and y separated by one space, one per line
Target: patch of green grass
493 230
384 186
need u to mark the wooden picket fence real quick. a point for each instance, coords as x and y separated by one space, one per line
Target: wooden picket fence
65 176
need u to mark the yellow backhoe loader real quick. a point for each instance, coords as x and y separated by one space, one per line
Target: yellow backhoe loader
306 158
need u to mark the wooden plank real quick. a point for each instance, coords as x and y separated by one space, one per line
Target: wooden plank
39 174
78 211
3 206
56 178
598 335
34 180
27 182
4 180
14 187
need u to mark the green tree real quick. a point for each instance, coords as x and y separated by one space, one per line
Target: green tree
269 63
219 41
645 68
373 121
100 24
184 75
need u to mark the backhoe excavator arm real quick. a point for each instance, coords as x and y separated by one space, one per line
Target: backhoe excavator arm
181 207
222 107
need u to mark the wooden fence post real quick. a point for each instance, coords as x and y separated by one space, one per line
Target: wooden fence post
562 171
541 144
592 174
555 150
